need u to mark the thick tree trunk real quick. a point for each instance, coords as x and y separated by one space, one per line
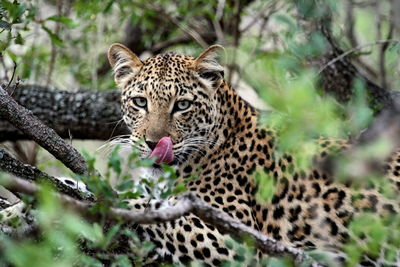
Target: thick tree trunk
77 115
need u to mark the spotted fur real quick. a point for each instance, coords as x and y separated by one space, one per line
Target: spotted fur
218 139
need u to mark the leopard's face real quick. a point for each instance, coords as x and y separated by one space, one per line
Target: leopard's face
169 95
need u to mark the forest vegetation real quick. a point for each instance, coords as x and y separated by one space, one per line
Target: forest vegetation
316 68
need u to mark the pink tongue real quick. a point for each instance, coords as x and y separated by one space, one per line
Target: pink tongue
163 151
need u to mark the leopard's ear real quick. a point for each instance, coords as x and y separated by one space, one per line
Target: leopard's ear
208 67
124 63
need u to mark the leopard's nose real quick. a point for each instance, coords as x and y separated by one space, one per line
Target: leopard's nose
151 144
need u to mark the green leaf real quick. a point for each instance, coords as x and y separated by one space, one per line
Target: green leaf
115 161
180 188
90 159
53 37
68 22
121 261
12 55
3 46
108 7
98 234
111 234
266 186
147 246
5 25
131 195
279 262
124 186
20 11
18 39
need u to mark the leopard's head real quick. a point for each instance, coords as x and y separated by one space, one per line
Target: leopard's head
170 95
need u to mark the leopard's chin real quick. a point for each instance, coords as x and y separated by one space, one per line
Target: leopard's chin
175 162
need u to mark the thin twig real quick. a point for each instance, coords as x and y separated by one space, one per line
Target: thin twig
3 64
16 84
195 35
186 29
382 55
216 21
333 61
262 13
21 153
12 76
53 54
349 27
160 46
395 16
236 40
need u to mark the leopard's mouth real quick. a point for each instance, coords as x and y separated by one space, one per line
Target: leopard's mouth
145 154
182 151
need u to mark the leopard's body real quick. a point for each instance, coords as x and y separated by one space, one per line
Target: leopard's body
218 138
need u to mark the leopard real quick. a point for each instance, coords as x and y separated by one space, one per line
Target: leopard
216 145
217 136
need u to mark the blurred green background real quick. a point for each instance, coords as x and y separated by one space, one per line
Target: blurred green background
276 55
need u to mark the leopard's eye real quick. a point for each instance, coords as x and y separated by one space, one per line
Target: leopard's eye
140 102
182 105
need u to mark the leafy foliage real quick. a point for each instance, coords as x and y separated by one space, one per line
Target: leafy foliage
70 43
66 239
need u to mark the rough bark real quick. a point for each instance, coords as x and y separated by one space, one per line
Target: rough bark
46 137
10 165
78 115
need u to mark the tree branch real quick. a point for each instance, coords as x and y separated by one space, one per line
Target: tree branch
382 54
208 36
78 114
270 7
355 49
24 120
186 203
349 27
10 165
229 225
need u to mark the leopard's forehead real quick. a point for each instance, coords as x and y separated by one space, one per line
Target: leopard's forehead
164 76
167 67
